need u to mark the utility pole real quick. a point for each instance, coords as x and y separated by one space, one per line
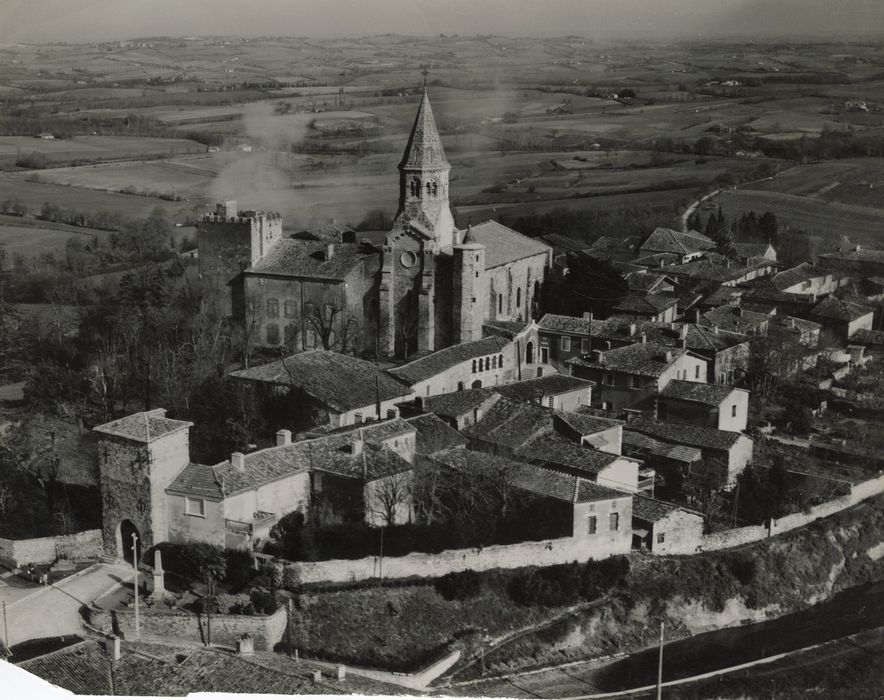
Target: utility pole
660 667
381 559
5 627
288 613
210 596
135 568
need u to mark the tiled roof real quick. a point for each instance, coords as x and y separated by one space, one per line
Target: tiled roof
801 324
708 394
510 423
560 241
665 240
683 434
651 509
723 295
557 450
568 324
658 260
861 255
645 282
331 453
81 668
840 310
705 269
457 403
696 337
640 446
647 305
299 258
734 318
341 382
752 250
506 329
586 424
503 245
434 434
424 148
643 359
143 427
614 243
442 360
534 389
796 275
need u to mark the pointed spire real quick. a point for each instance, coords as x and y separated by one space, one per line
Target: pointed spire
424 150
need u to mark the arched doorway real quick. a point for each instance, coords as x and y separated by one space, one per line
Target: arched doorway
529 353
125 530
476 384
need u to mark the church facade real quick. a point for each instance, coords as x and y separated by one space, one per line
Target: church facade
429 286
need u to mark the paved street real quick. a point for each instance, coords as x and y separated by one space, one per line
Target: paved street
55 610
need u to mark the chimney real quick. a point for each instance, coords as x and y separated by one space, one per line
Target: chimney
419 402
683 331
283 437
238 461
598 356
644 338
329 251
245 645
668 356
112 648
683 343
341 672
858 248
587 315
392 413
317 676
227 209
661 264
632 329
696 314
356 447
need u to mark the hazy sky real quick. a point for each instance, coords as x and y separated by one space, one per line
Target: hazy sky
87 20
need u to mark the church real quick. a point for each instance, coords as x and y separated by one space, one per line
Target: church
430 285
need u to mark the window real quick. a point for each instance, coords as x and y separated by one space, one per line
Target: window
734 411
290 308
565 343
328 311
195 506
636 382
697 372
519 298
273 308
493 363
661 537
481 364
551 401
500 361
272 334
500 303
309 339
289 333
608 379
584 345
591 525
474 366
614 521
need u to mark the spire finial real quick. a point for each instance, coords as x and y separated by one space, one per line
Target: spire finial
424 72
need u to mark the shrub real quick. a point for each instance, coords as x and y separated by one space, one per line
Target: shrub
459 585
567 584
263 601
239 568
236 604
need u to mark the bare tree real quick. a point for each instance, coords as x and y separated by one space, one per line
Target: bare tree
334 329
389 495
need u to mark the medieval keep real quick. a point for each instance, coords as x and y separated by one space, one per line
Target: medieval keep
429 286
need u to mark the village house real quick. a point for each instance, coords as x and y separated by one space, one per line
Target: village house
648 307
735 319
842 318
685 246
857 262
598 515
329 388
747 251
661 528
671 464
150 487
629 377
725 453
714 269
712 405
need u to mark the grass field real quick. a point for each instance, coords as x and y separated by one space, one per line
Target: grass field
858 181
93 148
828 218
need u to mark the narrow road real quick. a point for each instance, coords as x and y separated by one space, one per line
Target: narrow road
56 610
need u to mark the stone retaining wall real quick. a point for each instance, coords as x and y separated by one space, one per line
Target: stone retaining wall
266 630
88 544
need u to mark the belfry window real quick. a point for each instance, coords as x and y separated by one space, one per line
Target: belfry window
429 189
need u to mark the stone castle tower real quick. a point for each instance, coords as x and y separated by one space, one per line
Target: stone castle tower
138 457
230 241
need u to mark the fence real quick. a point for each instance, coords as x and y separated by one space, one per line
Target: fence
88 544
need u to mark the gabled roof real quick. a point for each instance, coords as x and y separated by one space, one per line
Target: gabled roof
684 434
696 337
535 389
640 446
424 148
434 434
797 275
704 269
331 453
552 449
442 360
643 359
735 318
341 382
665 240
143 427
865 336
652 509
511 423
646 305
753 250
506 329
840 310
856 255
707 394
291 257
646 282
503 245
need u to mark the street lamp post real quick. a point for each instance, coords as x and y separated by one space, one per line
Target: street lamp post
135 567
